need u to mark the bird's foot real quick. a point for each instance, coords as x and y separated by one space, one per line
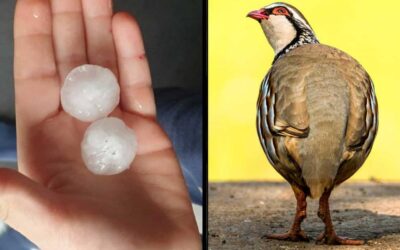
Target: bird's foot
289 236
333 239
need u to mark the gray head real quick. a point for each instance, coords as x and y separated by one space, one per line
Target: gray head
284 26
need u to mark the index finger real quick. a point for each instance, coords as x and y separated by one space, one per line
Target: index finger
35 70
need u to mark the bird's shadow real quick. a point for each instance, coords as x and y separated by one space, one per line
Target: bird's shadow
357 224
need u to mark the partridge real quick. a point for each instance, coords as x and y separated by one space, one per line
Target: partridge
317 115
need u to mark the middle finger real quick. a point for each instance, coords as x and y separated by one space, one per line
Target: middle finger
99 37
68 35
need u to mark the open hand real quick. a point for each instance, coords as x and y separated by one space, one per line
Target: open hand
56 202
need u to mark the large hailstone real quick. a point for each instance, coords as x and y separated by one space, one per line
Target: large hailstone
108 146
90 92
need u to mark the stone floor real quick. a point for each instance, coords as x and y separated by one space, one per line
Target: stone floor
239 214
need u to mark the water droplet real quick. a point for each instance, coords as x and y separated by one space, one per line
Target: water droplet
138 106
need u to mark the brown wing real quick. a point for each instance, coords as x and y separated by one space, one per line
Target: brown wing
362 125
282 109
363 115
283 102
282 112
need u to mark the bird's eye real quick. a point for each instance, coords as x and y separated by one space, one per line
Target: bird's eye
280 11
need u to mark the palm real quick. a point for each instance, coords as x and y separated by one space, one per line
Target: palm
152 190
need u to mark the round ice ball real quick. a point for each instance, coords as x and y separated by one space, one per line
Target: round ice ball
108 146
90 92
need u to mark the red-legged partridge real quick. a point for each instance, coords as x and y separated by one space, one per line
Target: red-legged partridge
317 114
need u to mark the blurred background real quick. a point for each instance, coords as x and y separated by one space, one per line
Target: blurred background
172 33
240 56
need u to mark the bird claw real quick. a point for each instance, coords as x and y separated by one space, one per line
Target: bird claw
290 236
333 239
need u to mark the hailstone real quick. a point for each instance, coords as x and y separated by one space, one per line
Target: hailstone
90 92
108 146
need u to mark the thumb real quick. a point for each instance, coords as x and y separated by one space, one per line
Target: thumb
24 204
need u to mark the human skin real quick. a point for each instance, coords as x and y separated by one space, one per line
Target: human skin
53 199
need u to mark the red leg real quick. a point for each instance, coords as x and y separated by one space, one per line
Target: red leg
329 235
295 233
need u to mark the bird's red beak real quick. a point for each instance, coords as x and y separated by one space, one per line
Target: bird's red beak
258 15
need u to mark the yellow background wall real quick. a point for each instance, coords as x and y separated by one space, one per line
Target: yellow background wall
239 57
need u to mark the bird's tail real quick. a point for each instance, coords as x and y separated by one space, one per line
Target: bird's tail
321 163
317 186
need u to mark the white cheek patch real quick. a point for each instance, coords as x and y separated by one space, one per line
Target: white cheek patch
279 31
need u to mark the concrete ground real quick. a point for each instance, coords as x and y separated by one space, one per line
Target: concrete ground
239 214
